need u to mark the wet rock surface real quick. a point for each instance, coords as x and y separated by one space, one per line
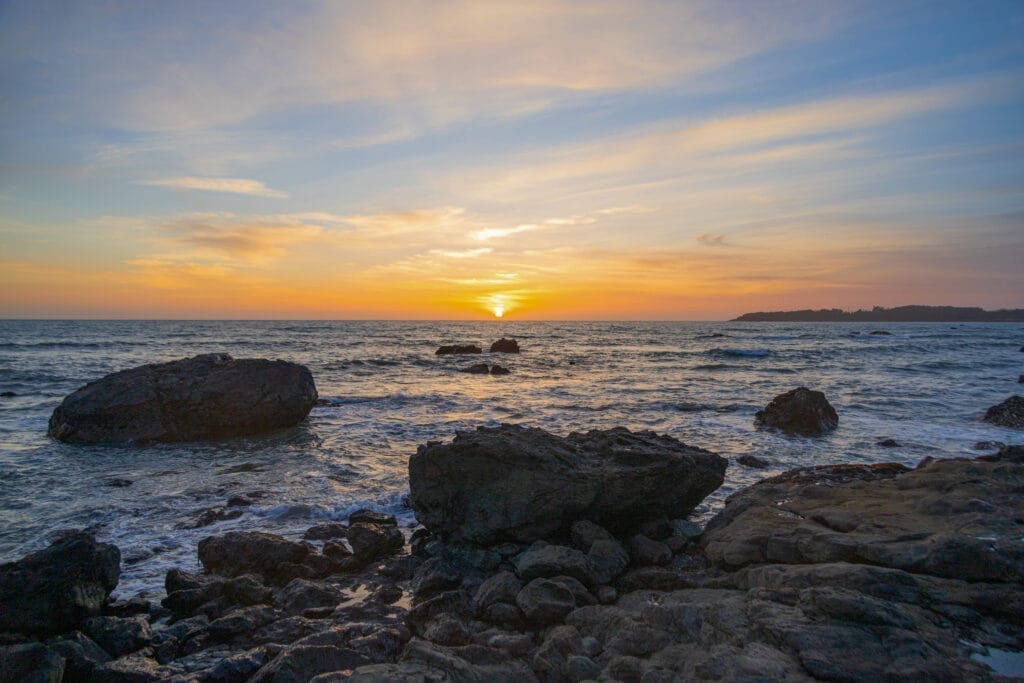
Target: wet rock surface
512 483
454 349
505 346
800 411
1009 413
205 397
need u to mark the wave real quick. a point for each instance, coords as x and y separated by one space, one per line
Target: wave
739 353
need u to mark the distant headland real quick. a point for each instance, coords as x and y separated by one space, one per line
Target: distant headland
899 314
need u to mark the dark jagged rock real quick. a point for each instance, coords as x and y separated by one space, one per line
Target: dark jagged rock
434 576
544 601
505 346
477 369
119 636
800 411
322 532
513 483
646 552
753 461
948 518
81 655
30 663
54 590
498 370
371 541
1009 413
301 594
214 515
243 552
458 349
367 516
206 397
553 560
889 443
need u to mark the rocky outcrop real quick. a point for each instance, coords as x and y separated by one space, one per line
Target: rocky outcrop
513 483
206 397
957 519
505 346
56 589
800 411
1009 413
458 349
484 369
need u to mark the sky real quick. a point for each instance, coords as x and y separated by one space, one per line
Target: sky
626 160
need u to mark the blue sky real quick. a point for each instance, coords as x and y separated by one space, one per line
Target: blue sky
660 160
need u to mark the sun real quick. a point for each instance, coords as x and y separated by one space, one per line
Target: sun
499 311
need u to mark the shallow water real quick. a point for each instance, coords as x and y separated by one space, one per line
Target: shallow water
925 385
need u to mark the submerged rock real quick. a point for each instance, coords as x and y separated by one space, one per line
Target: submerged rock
56 589
206 397
513 483
1009 413
498 370
458 349
505 346
752 461
800 411
477 369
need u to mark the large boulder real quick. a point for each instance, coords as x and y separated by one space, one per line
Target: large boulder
453 349
56 589
1009 413
512 483
206 397
800 411
958 519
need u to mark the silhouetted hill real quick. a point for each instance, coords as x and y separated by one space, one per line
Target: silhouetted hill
900 314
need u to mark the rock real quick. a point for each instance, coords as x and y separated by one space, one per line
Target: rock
652 578
888 443
553 560
446 630
370 541
119 483
606 560
126 608
238 668
607 595
458 349
300 663
52 591
239 501
119 636
516 645
301 594
244 552
752 461
242 621
505 346
800 411
30 663
336 550
561 643
7 394
499 370
885 515
1009 413
513 483
285 631
218 514
580 668
468 558
502 587
881 333
477 369
580 594
425 662
323 532
206 397
686 529
585 532
646 552
367 516
81 655
545 602
434 576
131 669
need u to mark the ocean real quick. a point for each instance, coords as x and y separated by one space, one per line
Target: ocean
926 385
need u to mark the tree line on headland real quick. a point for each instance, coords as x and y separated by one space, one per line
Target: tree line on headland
899 314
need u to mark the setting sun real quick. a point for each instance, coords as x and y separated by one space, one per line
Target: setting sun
499 311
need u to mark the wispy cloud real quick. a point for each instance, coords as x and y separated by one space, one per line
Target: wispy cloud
464 254
231 185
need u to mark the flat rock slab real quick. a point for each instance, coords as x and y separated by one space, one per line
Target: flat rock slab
513 483
961 519
205 397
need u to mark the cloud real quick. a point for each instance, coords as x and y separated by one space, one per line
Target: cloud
713 240
231 185
466 253
494 233
256 239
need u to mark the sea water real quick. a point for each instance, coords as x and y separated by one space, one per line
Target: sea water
926 385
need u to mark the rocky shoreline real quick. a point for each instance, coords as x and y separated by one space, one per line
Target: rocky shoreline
541 557
856 572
